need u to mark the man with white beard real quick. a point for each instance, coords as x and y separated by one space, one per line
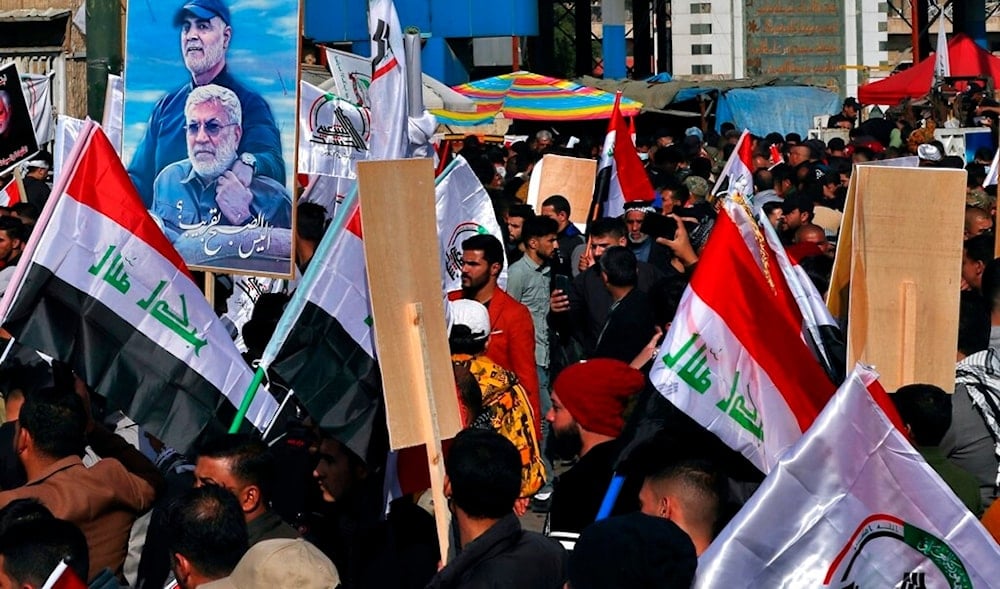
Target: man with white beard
205 35
645 249
203 190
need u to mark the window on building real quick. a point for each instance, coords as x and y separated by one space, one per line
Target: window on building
701 28
883 27
701 69
701 49
701 8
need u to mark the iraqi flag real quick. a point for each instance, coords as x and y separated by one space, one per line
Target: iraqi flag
13 192
852 504
323 347
100 288
387 92
621 177
737 175
735 358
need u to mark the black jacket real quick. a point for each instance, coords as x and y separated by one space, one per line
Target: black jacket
505 557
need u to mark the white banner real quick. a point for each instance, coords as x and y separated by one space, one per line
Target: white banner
463 210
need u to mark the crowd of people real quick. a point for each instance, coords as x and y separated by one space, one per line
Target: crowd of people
551 372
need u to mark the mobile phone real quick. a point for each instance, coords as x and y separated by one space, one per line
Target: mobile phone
561 282
655 225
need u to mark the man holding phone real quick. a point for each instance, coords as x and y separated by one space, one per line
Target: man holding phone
529 282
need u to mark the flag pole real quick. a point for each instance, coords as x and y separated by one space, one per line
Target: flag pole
298 301
241 413
610 497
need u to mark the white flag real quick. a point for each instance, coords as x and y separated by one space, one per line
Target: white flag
114 111
852 504
67 131
463 210
942 61
387 93
351 75
334 134
38 95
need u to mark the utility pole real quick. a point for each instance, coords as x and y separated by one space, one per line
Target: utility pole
104 51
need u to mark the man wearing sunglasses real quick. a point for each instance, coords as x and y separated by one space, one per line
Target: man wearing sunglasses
203 191
205 35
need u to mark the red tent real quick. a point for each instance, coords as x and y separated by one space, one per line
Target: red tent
966 59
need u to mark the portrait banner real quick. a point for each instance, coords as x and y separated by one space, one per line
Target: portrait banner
17 132
209 127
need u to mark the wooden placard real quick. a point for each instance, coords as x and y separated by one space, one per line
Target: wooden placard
905 270
572 177
400 276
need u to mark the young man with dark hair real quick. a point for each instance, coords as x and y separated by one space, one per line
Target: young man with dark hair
977 252
13 237
926 412
207 535
529 281
690 493
512 343
244 467
515 218
103 500
311 224
569 237
482 482
630 323
582 311
31 550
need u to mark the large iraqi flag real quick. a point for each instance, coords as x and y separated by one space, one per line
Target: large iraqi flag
101 288
736 357
851 505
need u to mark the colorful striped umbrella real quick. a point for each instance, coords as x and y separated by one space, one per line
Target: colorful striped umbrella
532 97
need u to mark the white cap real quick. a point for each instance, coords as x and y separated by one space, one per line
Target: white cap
473 315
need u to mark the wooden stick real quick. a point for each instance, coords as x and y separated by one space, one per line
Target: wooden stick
210 288
432 437
908 351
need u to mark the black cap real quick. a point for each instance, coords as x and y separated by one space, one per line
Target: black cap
204 9
799 201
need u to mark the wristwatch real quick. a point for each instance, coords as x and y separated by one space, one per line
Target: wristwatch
250 160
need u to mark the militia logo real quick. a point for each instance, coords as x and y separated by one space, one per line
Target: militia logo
870 537
339 123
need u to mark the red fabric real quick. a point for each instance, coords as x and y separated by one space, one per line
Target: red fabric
69 580
967 59
595 392
632 176
804 249
512 343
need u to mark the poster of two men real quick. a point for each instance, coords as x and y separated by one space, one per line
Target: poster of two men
209 127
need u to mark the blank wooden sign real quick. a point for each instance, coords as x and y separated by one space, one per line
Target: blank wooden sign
404 273
905 254
571 177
